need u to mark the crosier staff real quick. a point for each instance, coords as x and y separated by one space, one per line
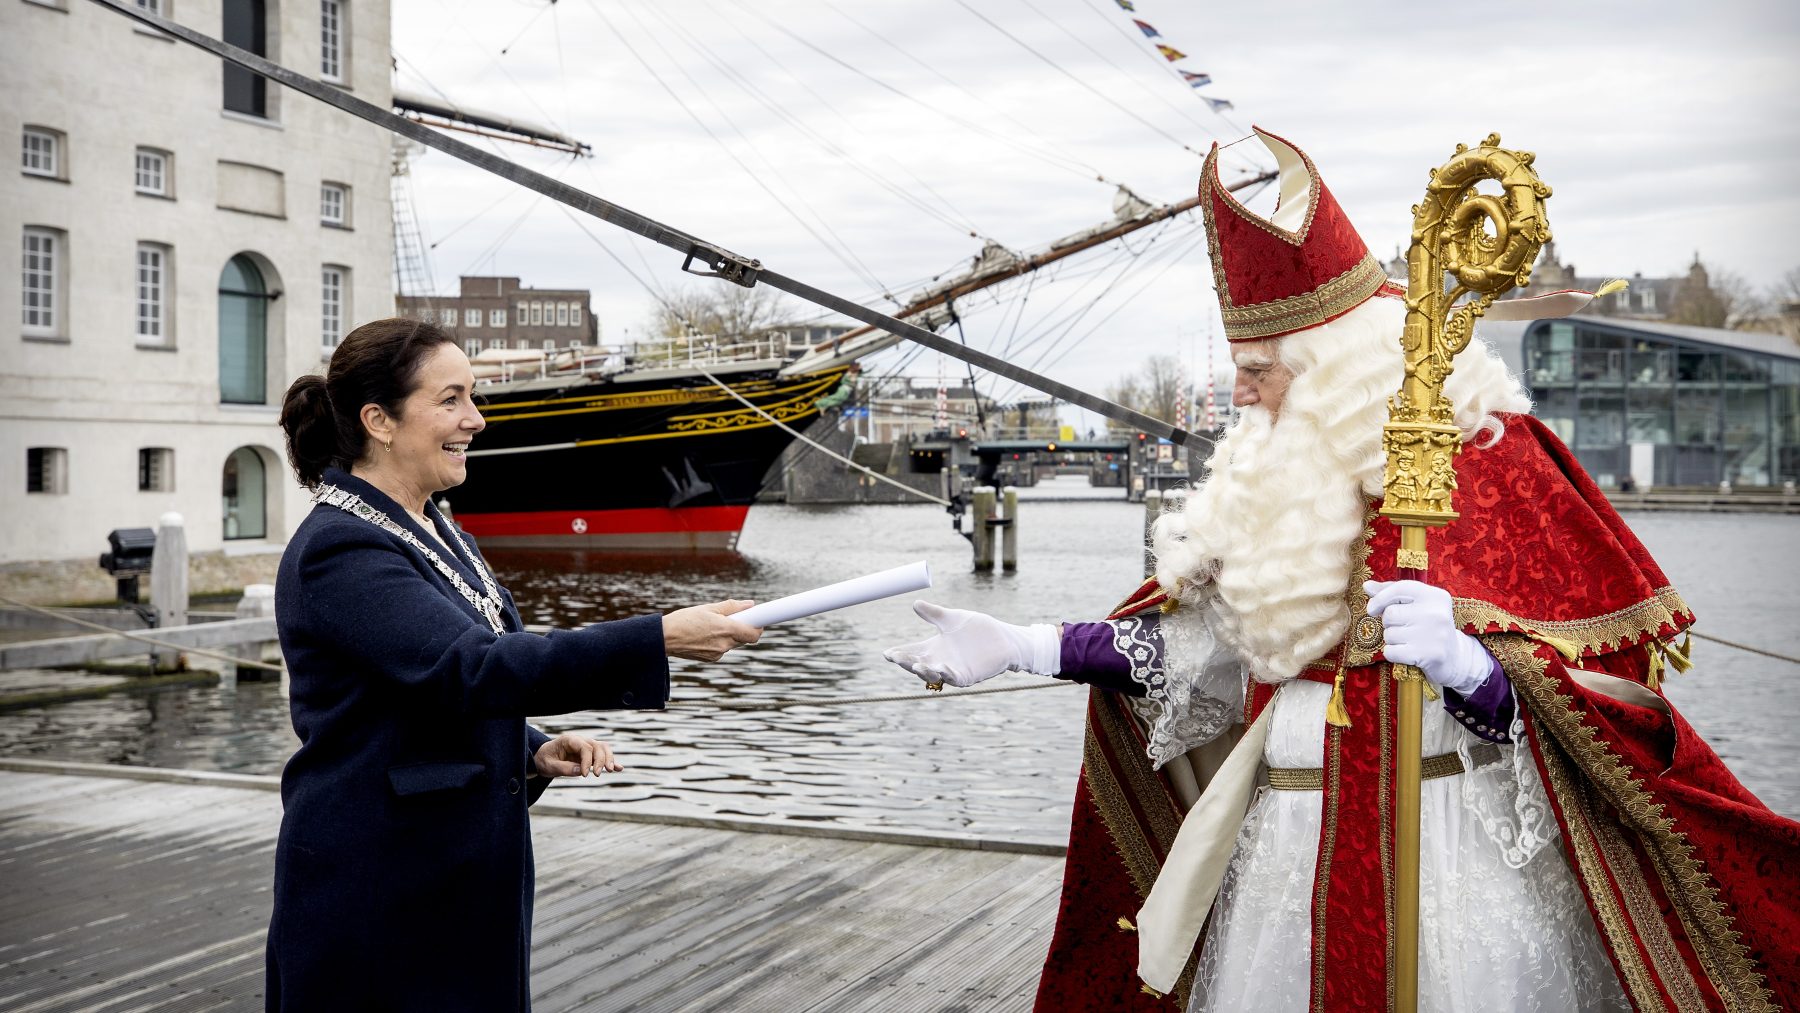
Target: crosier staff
1464 242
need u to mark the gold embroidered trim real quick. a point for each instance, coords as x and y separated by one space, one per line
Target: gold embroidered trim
1210 173
1308 309
1110 799
1334 738
1605 634
1646 914
1615 928
1721 950
1364 636
1430 769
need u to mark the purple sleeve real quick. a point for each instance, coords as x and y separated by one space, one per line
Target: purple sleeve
1089 656
1486 713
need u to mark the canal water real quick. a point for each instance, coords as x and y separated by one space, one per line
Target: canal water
1001 764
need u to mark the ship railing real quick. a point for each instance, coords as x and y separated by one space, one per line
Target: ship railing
504 365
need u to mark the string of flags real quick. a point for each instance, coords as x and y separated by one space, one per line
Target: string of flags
1194 79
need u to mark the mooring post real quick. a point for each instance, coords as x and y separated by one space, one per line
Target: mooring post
258 602
169 584
1009 535
984 532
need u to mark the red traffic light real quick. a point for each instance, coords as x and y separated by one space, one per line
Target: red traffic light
1141 437
960 433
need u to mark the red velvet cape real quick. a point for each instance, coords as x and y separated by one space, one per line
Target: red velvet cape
1690 879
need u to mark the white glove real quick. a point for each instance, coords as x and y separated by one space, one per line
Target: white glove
1419 629
972 647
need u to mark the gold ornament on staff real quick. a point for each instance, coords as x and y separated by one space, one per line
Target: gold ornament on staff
1465 242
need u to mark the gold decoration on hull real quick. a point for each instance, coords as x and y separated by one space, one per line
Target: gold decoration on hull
1465 242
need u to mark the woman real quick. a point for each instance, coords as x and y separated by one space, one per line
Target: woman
403 873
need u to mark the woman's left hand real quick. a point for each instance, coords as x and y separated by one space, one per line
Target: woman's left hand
571 755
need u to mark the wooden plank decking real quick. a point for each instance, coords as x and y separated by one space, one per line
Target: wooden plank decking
121 894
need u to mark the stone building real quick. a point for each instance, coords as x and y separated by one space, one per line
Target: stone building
183 240
491 312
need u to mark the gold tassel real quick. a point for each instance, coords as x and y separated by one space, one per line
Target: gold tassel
1678 660
1683 658
1147 990
1653 674
1615 285
1126 926
1570 650
1335 713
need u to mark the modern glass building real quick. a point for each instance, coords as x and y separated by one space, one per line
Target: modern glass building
1666 404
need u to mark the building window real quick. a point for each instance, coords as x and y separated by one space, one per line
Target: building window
1648 299
522 315
473 347
41 295
153 6
332 291
574 342
246 27
496 342
47 470
153 176
496 318
562 314
334 205
537 313
243 334
40 152
549 344
448 317
331 40
575 314
243 488
471 318
156 469
153 263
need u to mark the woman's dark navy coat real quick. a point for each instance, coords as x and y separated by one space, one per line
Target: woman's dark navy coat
403 873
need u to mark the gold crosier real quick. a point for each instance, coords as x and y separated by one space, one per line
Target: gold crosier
1464 243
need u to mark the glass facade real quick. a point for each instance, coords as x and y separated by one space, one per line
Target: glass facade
1664 409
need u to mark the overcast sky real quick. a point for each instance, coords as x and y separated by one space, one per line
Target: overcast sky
855 144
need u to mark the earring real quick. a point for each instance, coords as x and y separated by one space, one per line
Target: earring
388 446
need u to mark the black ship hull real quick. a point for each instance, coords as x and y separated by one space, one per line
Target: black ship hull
658 461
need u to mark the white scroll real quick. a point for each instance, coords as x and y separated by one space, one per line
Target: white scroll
855 591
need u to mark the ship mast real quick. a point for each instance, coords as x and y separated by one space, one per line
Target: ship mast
994 265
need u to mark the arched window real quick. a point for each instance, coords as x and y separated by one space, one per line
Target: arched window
246 27
243 333
243 490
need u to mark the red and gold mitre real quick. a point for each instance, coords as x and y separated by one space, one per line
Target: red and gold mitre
1300 267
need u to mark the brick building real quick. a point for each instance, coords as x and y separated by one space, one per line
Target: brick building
493 312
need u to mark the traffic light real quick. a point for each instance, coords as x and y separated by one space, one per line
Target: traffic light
962 433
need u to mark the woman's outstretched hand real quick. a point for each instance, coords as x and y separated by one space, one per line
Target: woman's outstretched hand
706 632
571 755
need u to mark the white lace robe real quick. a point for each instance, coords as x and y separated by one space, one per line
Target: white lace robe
1503 926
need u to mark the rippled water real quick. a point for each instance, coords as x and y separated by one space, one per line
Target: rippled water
1002 764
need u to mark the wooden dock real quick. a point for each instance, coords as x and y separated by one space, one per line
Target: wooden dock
126 893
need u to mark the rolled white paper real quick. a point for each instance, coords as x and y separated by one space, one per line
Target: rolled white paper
855 591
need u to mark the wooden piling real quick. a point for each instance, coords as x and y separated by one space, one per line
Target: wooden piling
169 584
984 532
1009 535
258 602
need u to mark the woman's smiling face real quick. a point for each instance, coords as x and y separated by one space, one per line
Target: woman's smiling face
438 420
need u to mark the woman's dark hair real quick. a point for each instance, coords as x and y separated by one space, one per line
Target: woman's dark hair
378 363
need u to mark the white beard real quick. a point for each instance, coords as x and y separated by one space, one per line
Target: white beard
1266 541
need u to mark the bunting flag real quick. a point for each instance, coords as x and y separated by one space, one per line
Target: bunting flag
1193 79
